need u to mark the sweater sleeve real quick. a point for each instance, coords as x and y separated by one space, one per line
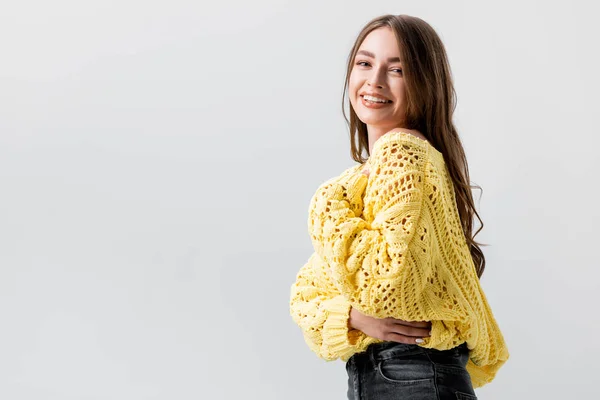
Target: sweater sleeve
370 261
322 315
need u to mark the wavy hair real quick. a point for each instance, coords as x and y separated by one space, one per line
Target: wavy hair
430 103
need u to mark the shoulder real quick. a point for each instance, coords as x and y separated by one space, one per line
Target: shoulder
408 137
413 132
400 151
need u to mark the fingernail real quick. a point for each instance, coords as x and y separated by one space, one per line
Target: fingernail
419 340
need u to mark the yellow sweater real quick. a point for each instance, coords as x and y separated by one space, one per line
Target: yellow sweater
391 245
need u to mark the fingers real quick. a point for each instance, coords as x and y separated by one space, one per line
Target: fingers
395 337
410 331
405 333
417 324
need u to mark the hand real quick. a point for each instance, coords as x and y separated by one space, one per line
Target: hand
365 171
389 329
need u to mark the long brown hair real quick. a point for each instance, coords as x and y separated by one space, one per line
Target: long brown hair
431 100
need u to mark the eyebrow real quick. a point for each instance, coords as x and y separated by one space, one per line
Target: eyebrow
369 54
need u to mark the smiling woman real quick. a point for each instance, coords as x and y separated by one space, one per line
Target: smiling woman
376 82
392 287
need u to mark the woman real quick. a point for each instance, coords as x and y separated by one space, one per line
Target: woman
393 285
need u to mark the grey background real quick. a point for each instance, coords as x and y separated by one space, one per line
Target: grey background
156 164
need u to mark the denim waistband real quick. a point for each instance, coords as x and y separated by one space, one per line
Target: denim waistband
384 350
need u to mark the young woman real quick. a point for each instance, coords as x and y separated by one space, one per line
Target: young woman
393 285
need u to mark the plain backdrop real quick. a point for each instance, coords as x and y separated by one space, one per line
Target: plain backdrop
156 164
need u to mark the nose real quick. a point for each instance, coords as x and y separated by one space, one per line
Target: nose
376 78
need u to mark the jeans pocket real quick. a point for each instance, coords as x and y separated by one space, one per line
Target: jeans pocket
405 372
465 396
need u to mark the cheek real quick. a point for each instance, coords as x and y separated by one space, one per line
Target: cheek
353 88
356 80
400 90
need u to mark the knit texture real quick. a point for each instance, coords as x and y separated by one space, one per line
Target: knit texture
391 245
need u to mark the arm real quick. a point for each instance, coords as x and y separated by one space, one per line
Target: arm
323 316
370 263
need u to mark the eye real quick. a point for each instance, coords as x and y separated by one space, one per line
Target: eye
364 64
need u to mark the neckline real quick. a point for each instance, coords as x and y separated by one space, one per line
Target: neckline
403 136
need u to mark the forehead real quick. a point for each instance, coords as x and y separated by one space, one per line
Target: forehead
381 42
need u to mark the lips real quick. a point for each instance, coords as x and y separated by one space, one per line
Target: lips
379 96
372 105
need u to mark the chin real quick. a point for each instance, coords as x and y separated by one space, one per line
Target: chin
370 120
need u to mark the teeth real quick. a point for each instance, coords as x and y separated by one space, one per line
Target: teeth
374 99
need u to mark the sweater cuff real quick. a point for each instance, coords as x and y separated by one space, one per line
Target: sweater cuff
337 335
482 375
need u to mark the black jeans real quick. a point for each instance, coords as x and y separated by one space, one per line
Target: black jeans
391 370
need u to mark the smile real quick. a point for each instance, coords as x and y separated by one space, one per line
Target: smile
374 104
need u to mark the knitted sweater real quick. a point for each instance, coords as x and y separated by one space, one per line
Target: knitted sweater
391 245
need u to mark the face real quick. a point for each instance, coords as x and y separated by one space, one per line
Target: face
377 70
